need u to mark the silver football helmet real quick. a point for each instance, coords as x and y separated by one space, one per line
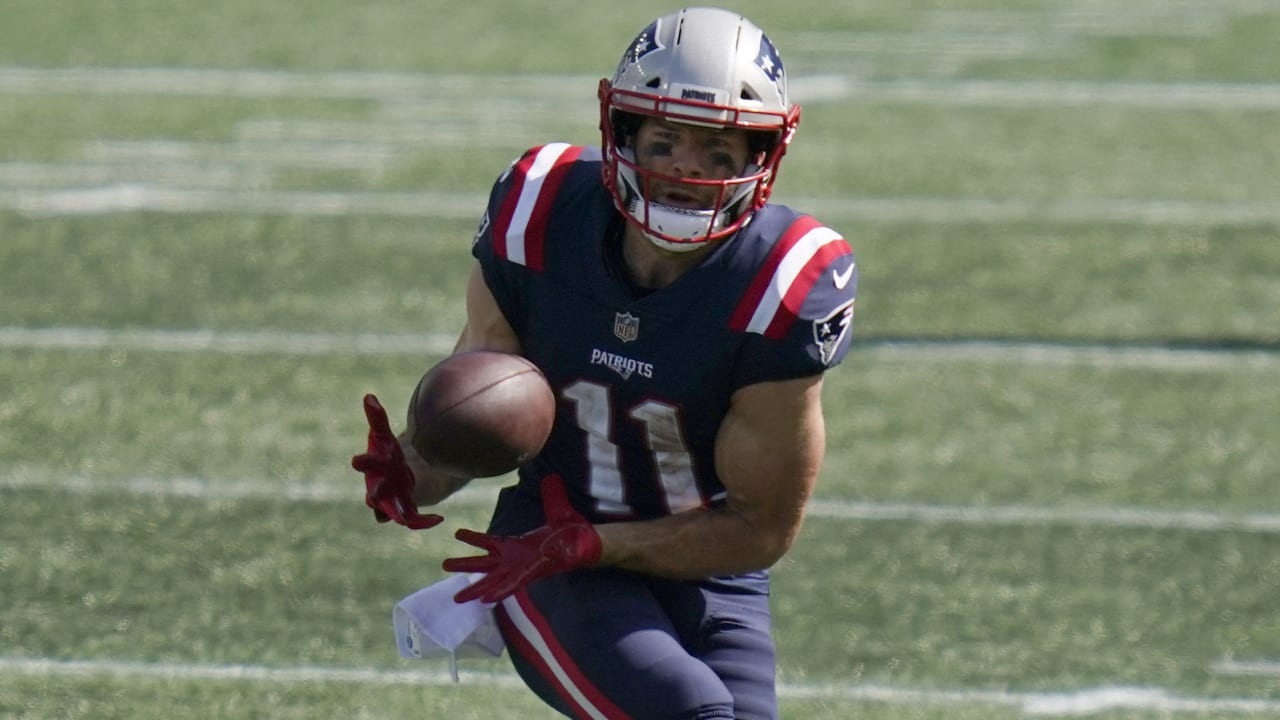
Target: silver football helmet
706 67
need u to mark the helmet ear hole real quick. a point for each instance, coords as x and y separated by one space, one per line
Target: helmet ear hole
761 141
625 127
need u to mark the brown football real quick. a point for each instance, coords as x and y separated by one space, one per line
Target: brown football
481 413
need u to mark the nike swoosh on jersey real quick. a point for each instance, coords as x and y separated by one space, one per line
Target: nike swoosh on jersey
842 279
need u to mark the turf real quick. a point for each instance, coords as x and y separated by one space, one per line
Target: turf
1050 480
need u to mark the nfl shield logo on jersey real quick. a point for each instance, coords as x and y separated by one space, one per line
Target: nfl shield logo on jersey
626 326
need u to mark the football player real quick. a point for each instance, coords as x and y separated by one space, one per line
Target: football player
684 324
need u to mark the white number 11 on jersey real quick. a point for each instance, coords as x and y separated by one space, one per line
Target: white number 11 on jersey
666 442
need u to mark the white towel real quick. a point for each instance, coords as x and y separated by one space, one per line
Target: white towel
430 624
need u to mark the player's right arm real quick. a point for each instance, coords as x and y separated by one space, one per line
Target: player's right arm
486 329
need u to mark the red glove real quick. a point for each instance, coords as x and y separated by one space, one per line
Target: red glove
566 542
388 481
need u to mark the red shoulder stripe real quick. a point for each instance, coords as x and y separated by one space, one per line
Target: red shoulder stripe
764 276
802 285
773 300
519 231
535 236
519 171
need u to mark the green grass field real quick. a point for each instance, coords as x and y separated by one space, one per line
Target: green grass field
1053 481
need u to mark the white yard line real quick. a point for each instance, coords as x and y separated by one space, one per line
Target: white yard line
155 197
1248 668
1112 699
194 488
140 197
278 153
388 86
36 176
16 478
250 673
1136 211
1022 515
1078 703
1096 355
1176 19
250 83
421 110
248 342
1065 93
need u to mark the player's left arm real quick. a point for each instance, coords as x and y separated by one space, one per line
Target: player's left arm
768 453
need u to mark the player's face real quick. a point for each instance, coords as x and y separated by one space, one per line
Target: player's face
687 151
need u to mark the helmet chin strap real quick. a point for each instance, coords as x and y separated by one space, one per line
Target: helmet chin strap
674 222
660 223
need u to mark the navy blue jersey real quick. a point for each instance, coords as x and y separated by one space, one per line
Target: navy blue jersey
643 380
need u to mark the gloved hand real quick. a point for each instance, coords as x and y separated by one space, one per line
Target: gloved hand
388 481
566 542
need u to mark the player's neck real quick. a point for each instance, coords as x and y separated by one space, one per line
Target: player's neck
652 267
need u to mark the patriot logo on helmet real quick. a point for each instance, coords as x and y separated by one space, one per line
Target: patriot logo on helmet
769 62
645 43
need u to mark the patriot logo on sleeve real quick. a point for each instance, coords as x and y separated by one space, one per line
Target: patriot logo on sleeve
829 332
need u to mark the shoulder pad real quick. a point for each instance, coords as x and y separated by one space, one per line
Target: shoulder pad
522 199
809 273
